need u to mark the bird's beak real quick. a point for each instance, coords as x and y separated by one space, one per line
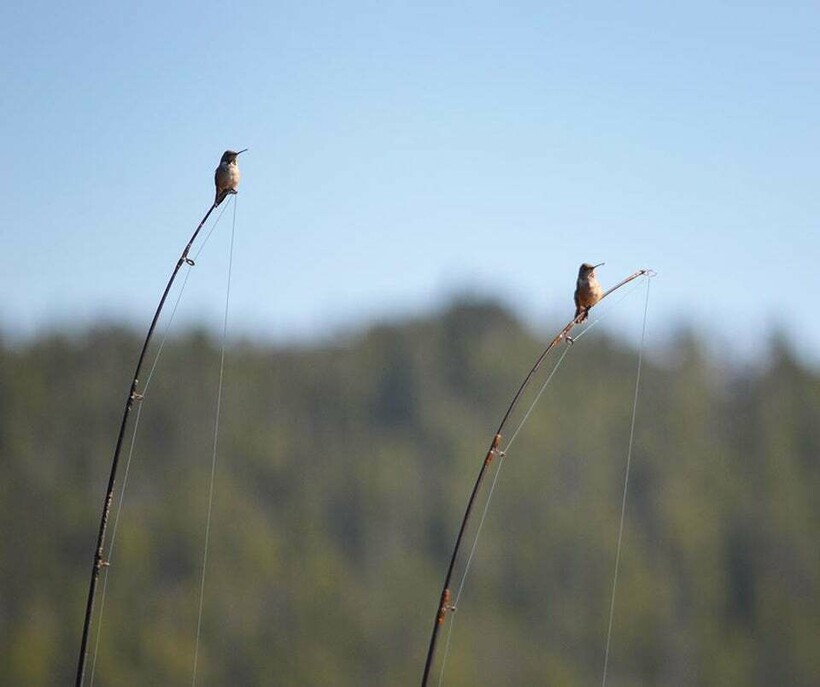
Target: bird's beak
242 151
599 265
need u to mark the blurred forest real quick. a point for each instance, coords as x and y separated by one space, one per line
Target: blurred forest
343 471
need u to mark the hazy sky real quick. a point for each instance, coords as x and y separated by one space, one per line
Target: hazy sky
401 152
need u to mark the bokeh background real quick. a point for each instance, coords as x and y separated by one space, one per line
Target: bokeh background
422 182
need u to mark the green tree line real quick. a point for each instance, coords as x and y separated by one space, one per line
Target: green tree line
343 471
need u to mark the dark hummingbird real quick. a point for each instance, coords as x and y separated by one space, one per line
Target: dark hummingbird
226 176
587 291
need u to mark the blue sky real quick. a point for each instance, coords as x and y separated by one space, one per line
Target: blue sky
403 152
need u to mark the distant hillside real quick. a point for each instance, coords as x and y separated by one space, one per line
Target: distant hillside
342 475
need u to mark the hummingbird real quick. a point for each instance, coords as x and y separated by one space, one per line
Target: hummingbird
587 291
226 176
